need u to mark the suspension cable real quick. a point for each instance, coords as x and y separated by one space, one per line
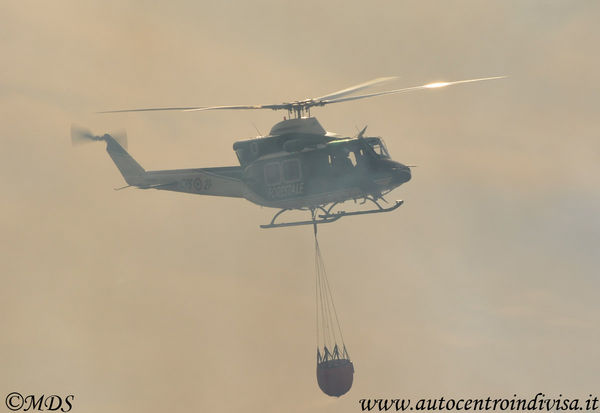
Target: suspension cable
326 317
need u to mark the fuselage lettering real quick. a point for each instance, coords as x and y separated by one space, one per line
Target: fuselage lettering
285 191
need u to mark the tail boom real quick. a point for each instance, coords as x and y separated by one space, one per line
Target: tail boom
209 181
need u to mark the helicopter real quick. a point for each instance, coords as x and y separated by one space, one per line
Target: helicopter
297 166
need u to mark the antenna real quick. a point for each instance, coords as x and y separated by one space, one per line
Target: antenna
257 131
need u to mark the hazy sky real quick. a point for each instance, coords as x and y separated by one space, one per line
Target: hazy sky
484 283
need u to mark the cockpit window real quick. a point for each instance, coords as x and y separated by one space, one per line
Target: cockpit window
379 147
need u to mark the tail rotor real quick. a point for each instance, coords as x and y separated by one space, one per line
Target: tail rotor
81 135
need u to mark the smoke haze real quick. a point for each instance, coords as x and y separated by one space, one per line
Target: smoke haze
483 283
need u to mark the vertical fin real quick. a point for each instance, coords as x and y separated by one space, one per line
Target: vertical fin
129 168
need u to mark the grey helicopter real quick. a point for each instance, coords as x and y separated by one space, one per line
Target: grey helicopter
297 166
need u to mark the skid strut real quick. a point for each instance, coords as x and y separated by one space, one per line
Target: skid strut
327 216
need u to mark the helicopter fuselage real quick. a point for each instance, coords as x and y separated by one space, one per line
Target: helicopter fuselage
313 174
297 166
300 165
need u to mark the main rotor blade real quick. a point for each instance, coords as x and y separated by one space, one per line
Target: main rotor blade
197 108
274 107
301 105
434 85
287 106
356 88
148 109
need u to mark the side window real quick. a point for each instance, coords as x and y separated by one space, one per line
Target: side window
291 170
272 173
340 161
353 158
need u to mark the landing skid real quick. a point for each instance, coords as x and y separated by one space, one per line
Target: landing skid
327 216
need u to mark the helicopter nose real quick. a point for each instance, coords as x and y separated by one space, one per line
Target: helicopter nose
401 173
